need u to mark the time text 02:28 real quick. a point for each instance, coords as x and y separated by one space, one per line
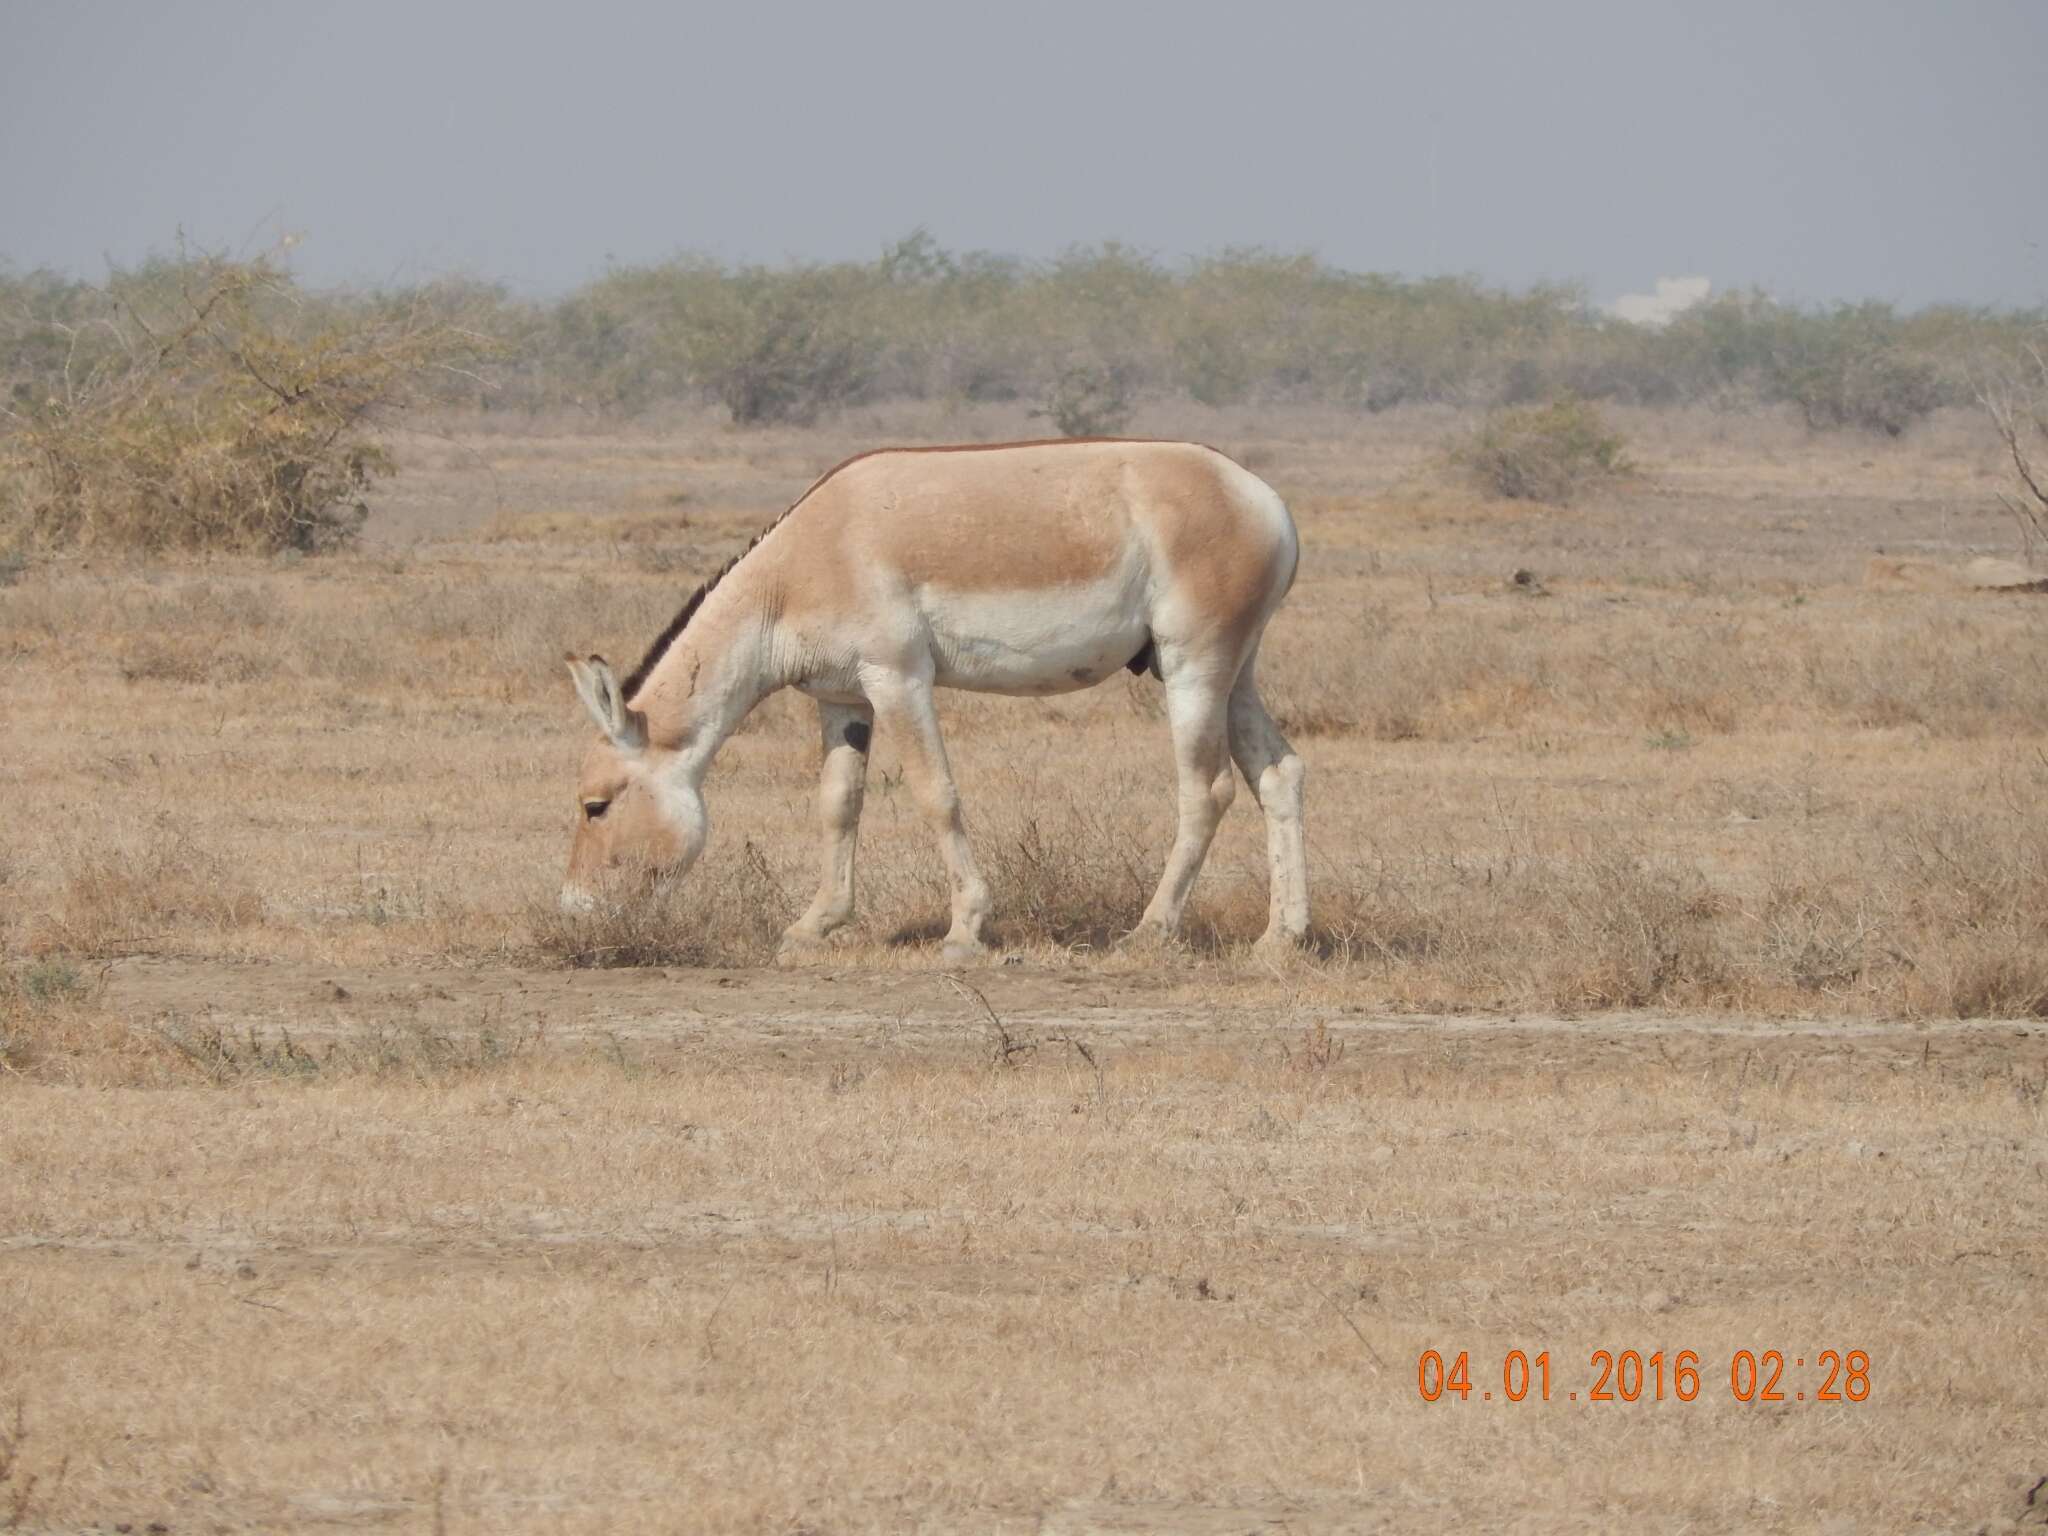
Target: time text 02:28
1631 1376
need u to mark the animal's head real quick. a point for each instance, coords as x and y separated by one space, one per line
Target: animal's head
637 815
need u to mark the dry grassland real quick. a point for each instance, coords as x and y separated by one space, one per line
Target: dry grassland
1682 920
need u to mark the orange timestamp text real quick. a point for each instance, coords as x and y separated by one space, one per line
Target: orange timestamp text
1632 1376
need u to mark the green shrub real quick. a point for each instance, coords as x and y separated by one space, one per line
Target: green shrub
1088 400
1861 367
779 347
787 343
1541 453
1865 389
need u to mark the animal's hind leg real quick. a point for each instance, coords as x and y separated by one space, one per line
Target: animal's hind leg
846 730
1275 773
1196 707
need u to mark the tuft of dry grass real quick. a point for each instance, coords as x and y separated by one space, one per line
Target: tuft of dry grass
38 1002
117 903
418 1052
57 1027
731 912
1946 917
1073 875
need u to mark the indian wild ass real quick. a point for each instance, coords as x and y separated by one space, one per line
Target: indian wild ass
1019 568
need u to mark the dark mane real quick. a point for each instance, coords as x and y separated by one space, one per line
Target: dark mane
637 678
691 604
667 638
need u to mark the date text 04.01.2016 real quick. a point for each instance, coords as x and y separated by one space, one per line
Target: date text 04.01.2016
1631 1376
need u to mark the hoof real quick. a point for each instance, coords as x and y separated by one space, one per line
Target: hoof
1274 948
1147 939
963 951
800 946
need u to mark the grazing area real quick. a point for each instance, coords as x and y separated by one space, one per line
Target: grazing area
1677 979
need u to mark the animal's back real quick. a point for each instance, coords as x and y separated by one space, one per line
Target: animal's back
1029 515
1034 568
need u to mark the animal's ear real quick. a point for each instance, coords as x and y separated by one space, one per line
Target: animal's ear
625 728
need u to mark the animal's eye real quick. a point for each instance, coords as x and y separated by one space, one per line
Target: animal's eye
596 808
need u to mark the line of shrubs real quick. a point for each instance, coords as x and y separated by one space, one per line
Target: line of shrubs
229 390
920 322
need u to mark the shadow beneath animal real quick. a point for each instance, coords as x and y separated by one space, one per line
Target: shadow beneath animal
1199 938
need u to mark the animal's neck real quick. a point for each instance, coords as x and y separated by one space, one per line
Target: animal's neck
711 677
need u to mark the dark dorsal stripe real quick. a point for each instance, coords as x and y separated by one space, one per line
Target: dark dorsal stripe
691 604
637 678
666 638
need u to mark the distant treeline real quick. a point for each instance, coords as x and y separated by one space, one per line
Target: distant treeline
1106 324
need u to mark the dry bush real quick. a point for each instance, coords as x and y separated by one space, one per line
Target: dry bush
1375 675
1946 915
1626 931
1548 453
1668 668
217 415
2016 399
117 903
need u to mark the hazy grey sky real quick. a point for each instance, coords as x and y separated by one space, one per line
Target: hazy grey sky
1825 150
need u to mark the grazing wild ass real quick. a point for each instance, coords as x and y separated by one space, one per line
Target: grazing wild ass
1021 568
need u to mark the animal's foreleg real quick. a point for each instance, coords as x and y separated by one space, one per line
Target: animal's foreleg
904 707
845 731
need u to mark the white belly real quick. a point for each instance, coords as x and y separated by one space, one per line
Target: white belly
1052 641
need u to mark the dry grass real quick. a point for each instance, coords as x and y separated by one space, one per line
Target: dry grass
121 902
44 1010
733 914
903 1289
550 1238
1691 760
